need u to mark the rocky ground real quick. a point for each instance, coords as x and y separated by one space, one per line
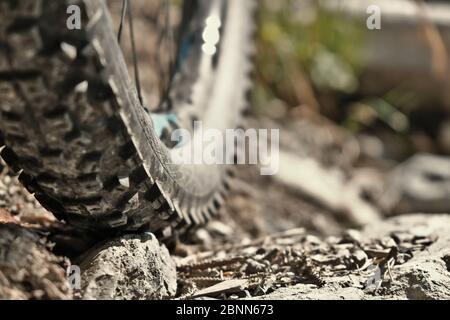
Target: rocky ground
404 257
339 221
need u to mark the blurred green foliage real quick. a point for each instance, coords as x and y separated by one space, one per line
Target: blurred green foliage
298 37
300 43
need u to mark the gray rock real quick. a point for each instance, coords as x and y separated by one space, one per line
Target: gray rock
425 276
422 184
28 270
131 267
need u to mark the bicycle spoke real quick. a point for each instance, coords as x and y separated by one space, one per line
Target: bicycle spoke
127 11
133 48
166 45
168 32
122 19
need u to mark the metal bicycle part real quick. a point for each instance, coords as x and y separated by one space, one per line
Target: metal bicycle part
75 131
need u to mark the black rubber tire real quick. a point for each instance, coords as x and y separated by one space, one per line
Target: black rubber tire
73 127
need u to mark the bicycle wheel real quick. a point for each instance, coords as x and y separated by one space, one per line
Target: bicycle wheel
75 131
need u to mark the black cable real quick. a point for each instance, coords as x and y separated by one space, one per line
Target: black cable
170 36
135 60
122 19
127 10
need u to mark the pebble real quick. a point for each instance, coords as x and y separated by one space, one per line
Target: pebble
255 266
360 256
352 236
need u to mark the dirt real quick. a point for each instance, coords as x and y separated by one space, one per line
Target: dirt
129 267
28 269
410 254
272 241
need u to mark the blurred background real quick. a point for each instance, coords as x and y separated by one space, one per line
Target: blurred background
364 119
319 57
364 114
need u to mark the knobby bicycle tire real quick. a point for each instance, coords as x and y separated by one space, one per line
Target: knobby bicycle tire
75 132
